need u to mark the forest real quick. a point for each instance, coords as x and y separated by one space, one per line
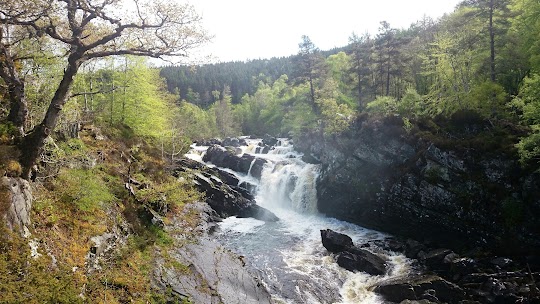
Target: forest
479 62
73 73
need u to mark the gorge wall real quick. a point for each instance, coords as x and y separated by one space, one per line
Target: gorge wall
378 175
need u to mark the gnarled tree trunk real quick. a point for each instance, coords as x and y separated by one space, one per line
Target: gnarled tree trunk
33 143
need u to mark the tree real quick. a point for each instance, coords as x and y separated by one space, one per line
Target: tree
361 64
310 65
90 29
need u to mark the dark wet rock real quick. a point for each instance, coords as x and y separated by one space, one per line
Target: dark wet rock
231 142
463 266
259 213
335 242
435 259
416 288
225 199
245 164
502 262
413 248
208 142
269 140
357 259
351 257
251 188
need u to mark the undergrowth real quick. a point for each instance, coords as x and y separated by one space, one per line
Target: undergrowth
81 193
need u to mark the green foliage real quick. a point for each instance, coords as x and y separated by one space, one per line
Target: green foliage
169 194
194 122
299 119
411 104
222 110
528 103
488 98
336 118
529 147
385 105
83 188
7 132
407 125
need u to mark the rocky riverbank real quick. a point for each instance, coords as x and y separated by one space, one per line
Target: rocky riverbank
441 275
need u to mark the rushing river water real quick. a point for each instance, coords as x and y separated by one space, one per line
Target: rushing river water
288 255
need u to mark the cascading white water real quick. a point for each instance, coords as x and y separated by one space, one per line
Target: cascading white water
288 255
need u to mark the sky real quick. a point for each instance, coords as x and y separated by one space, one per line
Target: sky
253 29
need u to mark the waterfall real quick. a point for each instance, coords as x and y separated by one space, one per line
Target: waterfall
289 184
288 255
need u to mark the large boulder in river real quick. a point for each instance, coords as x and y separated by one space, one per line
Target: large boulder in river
335 242
358 259
350 257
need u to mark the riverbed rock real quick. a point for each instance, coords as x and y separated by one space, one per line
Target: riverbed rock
213 275
358 259
225 199
417 288
269 140
335 242
245 164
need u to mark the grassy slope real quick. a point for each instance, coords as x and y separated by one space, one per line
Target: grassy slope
82 194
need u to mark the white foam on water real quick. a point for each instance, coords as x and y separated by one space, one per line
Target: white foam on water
289 255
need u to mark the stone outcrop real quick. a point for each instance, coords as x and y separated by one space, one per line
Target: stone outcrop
431 288
480 277
15 203
246 164
222 192
379 176
335 242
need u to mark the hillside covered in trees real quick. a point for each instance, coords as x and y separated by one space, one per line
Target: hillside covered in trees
93 131
481 60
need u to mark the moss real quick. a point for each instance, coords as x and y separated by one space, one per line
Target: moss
27 280
13 168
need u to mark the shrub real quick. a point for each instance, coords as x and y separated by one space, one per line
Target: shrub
385 105
85 189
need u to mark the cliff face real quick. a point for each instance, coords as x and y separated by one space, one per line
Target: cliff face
377 175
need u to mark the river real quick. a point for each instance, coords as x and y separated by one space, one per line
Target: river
288 255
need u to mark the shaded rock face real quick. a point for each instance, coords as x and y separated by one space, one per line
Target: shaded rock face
431 288
357 259
482 278
378 176
15 203
222 193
